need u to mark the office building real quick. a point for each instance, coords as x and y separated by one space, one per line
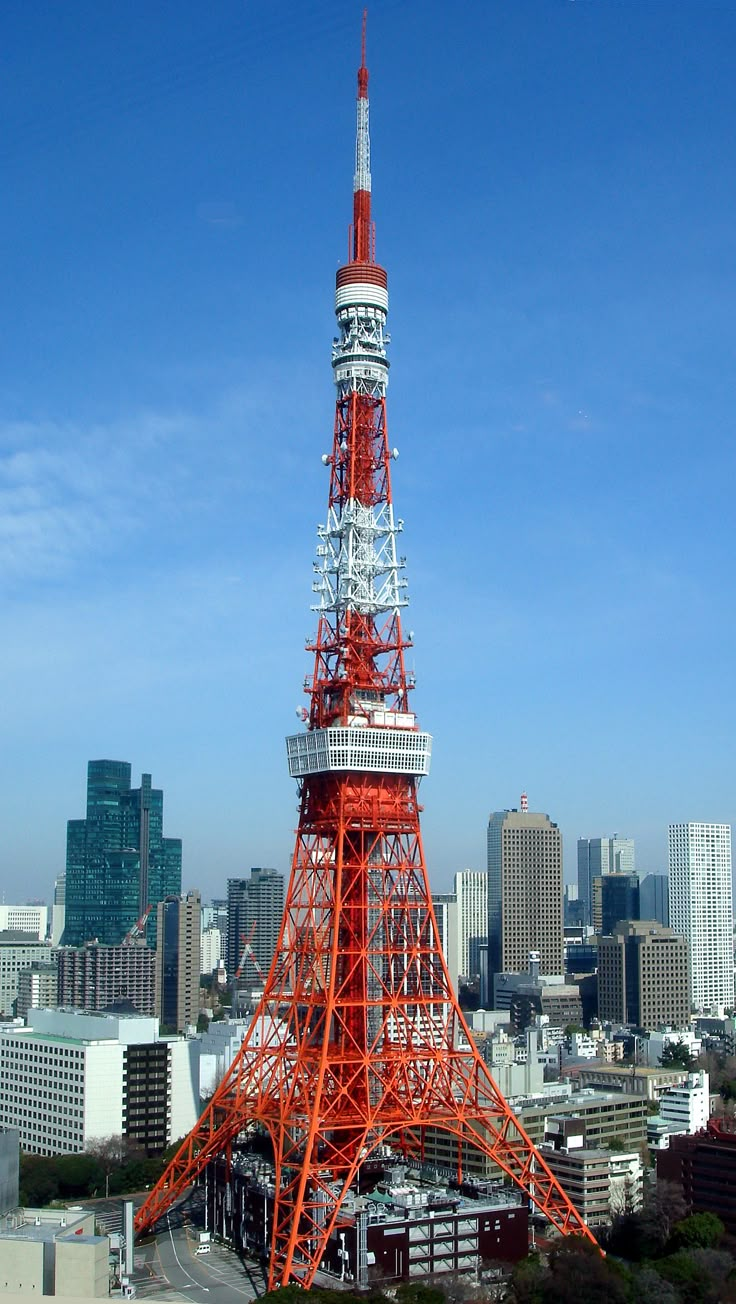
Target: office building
444 905
69 1078
96 977
524 892
701 908
654 898
117 860
598 857
210 952
178 957
18 951
37 989
471 896
619 900
33 919
255 907
618 1116
643 976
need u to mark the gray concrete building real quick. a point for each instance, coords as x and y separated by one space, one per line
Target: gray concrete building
643 976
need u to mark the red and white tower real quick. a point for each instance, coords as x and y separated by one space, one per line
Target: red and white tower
358 1041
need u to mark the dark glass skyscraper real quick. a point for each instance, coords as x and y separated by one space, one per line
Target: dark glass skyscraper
117 859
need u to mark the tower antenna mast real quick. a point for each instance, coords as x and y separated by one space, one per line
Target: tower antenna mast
358 1041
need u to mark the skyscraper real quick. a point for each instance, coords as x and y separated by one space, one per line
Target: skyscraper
178 961
471 895
654 898
524 892
117 859
701 908
599 856
619 899
255 906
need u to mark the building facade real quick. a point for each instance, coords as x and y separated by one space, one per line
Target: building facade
704 1167
619 900
654 898
701 908
178 957
95 977
598 857
69 1078
524 892
471 918
18 951
444 905
117 860
38 989
643 976
255 907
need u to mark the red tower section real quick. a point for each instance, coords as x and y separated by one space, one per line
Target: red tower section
358 1041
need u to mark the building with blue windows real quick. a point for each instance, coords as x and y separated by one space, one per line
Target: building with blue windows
117 860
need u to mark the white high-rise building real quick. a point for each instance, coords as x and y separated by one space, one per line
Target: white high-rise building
701 908
471 893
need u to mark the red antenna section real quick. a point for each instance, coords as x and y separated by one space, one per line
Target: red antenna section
358 1042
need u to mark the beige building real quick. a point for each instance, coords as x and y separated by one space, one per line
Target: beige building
178 937
605 1117
643 976
524 893
54 1252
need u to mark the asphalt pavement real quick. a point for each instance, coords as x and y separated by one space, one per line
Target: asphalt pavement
167 1268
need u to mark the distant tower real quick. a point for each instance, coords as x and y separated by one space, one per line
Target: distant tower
178 938
701 908
599 856
255 906
358 1041
117 859
471 894
524 893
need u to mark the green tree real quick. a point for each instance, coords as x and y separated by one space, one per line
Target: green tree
676 1054
39 1181
703 1231
78 1174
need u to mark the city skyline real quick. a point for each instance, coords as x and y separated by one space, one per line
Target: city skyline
561 285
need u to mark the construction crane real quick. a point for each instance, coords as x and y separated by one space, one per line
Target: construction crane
247 954
138 927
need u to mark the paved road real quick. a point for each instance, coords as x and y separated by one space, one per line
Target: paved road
167 1268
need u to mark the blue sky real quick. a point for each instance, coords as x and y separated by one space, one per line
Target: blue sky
554 194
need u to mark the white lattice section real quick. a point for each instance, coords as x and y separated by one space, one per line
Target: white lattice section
358 568
388 751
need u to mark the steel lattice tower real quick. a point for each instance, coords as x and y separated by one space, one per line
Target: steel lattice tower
358 1041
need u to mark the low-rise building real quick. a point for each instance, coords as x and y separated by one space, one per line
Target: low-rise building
54 1252
606 1116
635 1080
403 1229
686 1108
